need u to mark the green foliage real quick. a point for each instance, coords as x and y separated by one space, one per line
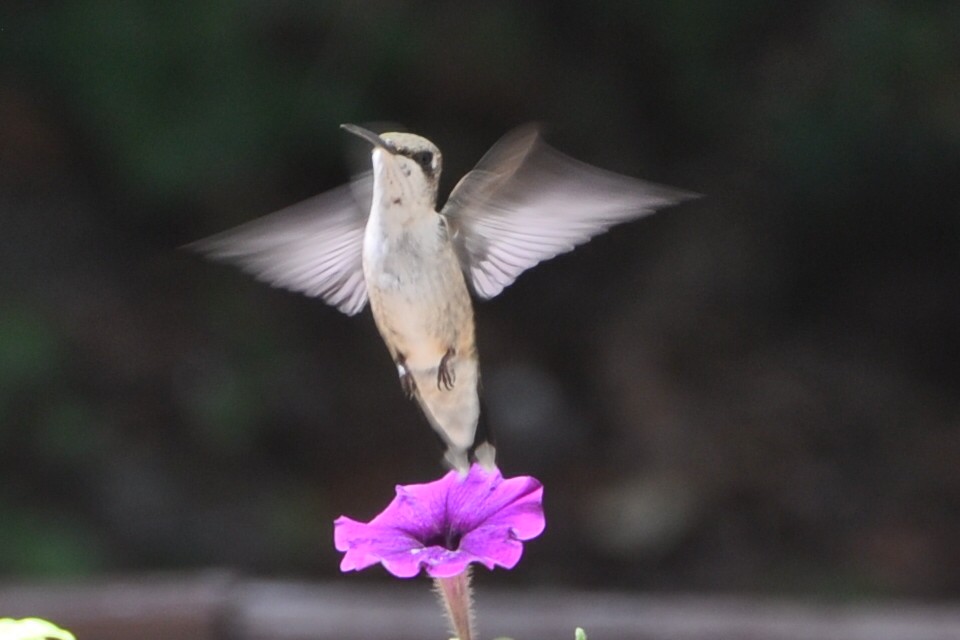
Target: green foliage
40 543
178 95
32 629
29 346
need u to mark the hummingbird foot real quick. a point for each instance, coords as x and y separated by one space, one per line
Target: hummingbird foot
407 382
446 376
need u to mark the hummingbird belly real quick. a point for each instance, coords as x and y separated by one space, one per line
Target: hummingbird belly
423 311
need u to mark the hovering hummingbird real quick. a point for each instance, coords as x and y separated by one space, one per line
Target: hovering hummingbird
382 239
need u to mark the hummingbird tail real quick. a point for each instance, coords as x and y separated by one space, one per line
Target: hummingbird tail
484 449
486 455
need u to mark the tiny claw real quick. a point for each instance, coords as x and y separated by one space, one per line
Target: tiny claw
446 375
407 382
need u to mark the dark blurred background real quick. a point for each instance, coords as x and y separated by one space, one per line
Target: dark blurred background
756 391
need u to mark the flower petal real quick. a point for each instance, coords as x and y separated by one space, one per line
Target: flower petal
367 544
493 546
516 503
483 514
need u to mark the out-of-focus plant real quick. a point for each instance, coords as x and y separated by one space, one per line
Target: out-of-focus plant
32 629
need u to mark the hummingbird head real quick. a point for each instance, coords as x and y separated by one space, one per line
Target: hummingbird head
406 167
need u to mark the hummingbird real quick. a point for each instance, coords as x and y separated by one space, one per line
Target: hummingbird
381 239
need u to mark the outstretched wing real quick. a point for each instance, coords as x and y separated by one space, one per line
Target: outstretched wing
313 247
526 202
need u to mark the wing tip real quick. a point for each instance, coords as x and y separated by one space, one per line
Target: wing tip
683 195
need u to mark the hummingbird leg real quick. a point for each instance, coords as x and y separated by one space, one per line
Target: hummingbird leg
446 376
406 378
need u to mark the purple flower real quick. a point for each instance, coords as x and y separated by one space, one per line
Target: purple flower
445 525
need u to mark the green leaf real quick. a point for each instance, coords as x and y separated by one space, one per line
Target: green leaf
32 629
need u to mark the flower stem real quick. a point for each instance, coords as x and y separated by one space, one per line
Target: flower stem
458 601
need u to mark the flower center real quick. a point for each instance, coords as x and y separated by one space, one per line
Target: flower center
449 540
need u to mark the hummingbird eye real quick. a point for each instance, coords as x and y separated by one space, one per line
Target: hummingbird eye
424 159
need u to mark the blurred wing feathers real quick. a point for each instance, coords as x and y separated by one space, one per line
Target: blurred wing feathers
526 202
313 247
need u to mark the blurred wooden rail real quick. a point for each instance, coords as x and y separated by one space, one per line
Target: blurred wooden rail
220 606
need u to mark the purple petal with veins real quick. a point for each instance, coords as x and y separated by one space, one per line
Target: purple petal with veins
445 525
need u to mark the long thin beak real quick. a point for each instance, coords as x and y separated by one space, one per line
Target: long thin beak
369 136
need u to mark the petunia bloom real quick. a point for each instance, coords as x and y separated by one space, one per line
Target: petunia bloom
445 525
